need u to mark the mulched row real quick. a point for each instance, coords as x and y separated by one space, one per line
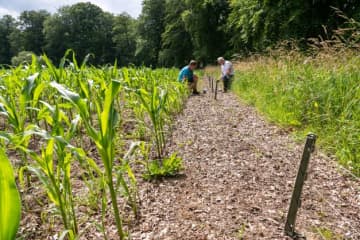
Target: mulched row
238 180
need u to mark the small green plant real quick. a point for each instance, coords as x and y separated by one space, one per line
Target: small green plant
168 167
241 232
10 204
155 103
327 234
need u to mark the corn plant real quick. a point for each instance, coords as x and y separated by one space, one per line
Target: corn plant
55 105
103 137
10 204
17 109
53 165
56 180
155 103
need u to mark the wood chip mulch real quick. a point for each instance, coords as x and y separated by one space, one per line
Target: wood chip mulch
238 180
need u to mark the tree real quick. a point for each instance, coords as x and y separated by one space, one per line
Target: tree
83 27
7 26
177 48
257 24
205 20
29 34
124 38
150 29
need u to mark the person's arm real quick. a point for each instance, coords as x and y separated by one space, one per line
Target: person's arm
222 72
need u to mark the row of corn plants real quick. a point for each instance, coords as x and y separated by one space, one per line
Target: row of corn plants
52 117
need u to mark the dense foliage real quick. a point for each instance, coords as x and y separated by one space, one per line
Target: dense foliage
169 32
257 24
321 95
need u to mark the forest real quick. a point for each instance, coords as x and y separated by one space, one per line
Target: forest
170 32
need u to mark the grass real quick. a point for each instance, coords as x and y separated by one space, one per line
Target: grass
319 94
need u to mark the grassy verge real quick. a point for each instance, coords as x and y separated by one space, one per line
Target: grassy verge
320 94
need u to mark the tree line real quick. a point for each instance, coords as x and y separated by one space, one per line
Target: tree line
170 32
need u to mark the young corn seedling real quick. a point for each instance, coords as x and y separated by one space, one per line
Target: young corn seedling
53 165
103 137
56 180
154 101
15 108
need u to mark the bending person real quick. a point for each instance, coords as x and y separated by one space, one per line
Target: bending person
187 75
227 72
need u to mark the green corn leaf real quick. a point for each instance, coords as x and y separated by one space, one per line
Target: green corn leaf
72 97
85 61
73 127
50 190
10 204
65 93
49 152
107 116
8 110
37 92
29 86
52 68
84 88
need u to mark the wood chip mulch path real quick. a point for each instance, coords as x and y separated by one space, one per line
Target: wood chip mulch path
238 179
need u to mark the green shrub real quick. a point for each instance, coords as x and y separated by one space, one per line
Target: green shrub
23 57
168 167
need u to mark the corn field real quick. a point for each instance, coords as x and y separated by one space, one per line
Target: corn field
75 126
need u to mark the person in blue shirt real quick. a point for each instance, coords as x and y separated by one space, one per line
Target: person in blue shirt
187 75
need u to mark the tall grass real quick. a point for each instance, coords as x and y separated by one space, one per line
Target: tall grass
319 94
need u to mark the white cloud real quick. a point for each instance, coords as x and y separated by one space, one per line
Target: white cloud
4 11
14 7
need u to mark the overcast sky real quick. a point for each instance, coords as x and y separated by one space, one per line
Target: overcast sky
15 7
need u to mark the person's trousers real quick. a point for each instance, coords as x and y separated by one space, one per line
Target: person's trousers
227 82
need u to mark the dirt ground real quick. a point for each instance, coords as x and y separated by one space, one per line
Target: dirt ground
238 180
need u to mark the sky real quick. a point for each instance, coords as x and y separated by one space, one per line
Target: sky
15 7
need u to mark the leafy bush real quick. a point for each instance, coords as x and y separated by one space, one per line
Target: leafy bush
23 57
168 167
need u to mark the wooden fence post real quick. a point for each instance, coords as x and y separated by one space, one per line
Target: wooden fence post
300 179
216 89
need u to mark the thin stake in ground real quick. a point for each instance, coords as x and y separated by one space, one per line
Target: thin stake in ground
300 179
